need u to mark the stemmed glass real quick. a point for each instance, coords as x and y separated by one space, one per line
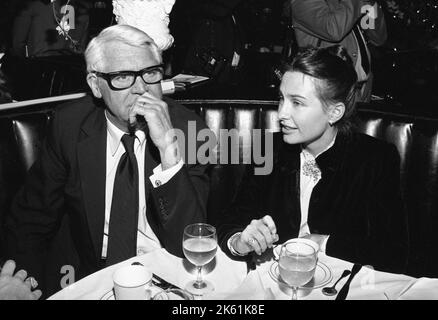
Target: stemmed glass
297 263
199 246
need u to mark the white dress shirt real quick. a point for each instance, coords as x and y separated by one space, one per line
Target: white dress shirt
146 239
307 183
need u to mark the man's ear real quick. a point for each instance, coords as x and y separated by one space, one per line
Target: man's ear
92 83
336 112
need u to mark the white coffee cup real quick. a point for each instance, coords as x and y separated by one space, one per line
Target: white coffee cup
132 283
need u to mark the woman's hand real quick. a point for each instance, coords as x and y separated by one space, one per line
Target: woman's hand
257 236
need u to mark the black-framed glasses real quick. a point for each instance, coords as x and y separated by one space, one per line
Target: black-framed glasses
121 80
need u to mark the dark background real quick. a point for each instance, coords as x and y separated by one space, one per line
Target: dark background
405 67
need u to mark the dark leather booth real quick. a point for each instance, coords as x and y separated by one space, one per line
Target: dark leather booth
22 132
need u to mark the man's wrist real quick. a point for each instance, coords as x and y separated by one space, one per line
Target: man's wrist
170 156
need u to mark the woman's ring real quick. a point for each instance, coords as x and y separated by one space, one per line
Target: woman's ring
252 240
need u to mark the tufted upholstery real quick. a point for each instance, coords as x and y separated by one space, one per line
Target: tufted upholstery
415 137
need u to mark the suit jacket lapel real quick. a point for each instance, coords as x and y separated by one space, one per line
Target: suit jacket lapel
289 173
92 167
150 162
319 216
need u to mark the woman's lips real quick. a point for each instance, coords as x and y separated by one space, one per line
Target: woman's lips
287 129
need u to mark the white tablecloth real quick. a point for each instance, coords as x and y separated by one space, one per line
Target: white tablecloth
224 273
231 280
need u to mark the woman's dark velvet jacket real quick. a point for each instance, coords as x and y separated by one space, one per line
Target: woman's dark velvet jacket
357 202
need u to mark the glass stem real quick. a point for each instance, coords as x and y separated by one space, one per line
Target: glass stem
294 293
199 284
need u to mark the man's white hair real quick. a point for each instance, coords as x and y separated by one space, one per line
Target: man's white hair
123 34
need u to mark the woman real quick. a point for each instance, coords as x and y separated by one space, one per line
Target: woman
329 184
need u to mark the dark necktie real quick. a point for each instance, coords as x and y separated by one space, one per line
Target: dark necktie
123 225
362 48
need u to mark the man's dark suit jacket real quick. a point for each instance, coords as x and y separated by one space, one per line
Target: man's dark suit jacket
69 178
357 201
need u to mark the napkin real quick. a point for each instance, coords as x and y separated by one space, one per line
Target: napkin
416 289
251 289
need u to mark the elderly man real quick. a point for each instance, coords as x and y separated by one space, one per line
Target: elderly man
112 165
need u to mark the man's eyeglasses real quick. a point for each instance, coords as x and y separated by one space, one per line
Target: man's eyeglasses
121 80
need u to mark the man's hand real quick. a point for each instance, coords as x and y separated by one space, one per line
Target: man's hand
257 236
16 287
156 114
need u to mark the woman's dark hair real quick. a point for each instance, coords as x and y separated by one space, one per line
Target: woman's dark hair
333 67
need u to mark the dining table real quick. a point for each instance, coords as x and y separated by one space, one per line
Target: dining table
233 280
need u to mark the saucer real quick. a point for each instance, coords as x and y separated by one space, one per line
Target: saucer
110 294
322 276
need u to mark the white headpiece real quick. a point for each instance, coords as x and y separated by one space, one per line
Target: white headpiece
150 16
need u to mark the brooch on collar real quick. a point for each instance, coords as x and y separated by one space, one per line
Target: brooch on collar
310 169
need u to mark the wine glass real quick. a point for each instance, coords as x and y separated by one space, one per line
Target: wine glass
297 264
199 246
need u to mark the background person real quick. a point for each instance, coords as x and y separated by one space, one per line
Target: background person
34 31
322 23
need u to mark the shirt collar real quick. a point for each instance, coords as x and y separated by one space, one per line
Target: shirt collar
115 136
308 155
